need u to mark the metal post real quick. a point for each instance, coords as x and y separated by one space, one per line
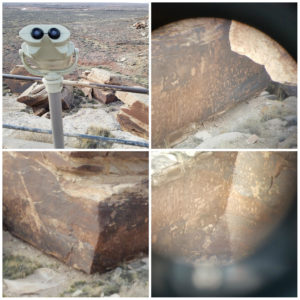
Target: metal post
53 84
56 119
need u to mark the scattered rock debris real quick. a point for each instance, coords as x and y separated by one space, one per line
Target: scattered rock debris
262 122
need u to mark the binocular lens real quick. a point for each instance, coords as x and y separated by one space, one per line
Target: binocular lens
54 33
37 33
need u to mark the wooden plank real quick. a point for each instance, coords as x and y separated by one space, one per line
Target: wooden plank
88 209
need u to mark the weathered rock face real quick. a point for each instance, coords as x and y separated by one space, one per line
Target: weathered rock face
36 97
246 40
201 67
104 96
218 206
103 77
134 115
88 209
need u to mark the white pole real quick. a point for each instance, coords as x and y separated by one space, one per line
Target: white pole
53 84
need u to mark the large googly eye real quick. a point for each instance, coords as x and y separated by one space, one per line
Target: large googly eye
54 33
37 33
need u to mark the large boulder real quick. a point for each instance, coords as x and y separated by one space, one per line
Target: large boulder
134 114
217 207
202 67
36 97
88 209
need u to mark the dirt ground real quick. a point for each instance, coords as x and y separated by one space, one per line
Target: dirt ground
263 122
85 115
27 272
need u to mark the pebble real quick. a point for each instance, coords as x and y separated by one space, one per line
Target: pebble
264 93
291 100
275 123
117 273
135 264
77 293
252 139
291 120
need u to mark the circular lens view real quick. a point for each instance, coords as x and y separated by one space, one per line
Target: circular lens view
37 33
54 33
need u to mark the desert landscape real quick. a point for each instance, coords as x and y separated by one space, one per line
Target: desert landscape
111 38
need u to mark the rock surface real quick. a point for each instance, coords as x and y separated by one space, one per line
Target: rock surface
134 115
41 280
100 76
104 77
88 209
196 74
88 113
104 96
129 279
246 40
36 97
18 86
258 123
234 200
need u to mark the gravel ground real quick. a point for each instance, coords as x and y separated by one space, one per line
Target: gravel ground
28 272
262 122
87 114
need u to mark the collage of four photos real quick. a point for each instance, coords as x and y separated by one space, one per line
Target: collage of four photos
149 149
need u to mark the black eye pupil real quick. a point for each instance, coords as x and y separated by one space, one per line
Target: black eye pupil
54 33
37 33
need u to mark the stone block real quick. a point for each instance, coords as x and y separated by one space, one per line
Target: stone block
220 205
87 209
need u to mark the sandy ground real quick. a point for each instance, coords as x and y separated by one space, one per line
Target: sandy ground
51 278
88 113
262 122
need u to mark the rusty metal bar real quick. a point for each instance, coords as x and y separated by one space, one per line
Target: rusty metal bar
82 84
77 135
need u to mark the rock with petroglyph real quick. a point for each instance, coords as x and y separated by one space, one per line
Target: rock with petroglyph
88 209
215 64
234 200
